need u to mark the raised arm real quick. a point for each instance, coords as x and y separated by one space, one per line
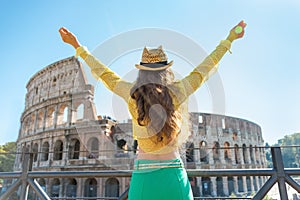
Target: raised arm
208 66
110 79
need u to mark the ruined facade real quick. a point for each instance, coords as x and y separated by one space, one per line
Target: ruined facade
61 128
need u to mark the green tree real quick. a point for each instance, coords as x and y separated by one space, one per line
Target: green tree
290 155
268 156
7 156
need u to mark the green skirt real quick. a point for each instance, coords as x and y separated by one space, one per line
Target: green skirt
159 180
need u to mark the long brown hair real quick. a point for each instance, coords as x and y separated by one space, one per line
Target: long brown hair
155 105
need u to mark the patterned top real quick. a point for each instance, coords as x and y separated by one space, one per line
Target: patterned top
179 90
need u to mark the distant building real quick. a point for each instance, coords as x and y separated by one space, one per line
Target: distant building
61 128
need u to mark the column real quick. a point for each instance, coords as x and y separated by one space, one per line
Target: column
48 187
257 183
197 153
221 156
214 186
39 154
211 157
80 187
100 187
35 121
55 116
241 157
45 118
235 183
70 113
254 156
225 186
252 183
259 155
200 186
51 150
248 158
61 187
245 184
66 149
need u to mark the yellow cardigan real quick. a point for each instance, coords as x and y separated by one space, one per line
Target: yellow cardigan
179 90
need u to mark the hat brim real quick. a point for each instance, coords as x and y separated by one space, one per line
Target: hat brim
143 67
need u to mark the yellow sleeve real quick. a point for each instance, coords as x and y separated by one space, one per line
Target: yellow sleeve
189 84
101 72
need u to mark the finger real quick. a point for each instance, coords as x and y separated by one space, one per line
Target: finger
63 30
242 24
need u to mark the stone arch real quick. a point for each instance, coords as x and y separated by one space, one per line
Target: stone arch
260 181
26 125
189 152
71 188
251 154
220 191
260 155
248 183
62 114
32 122
40 119
234 136
45 151
255 183
54 81
74 149
122 148
256 154
240 184
93 147
206 186
42 183
50 117
195 188
227 152
122 145
230 181
58 150
112 187
110 133
90 189
79 112
216 151
203 152
245 154
35 149
55 188
237 154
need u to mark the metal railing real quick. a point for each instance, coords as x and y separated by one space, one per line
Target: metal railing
27 178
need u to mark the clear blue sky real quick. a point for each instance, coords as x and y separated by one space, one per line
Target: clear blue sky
261 78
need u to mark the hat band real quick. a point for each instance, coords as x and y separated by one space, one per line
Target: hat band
154 65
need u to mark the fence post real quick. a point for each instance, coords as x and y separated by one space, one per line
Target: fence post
26 167
279 176
279 168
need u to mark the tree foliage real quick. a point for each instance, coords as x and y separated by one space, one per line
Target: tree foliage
7 156
290 151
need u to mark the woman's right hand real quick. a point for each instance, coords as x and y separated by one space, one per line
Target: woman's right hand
68 37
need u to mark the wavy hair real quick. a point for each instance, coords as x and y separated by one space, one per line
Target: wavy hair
155 106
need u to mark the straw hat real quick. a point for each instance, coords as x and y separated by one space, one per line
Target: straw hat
154 60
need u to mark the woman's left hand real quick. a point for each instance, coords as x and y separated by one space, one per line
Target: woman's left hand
237 31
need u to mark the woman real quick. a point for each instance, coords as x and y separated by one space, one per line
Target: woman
157 104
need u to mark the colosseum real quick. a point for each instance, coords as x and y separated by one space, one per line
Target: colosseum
62 129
